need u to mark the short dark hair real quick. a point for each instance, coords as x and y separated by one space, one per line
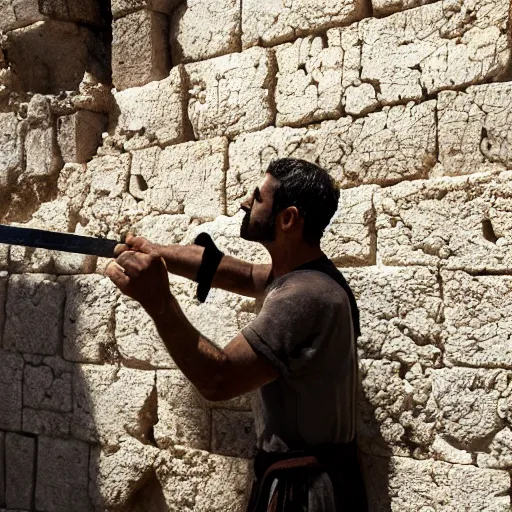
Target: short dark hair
308 187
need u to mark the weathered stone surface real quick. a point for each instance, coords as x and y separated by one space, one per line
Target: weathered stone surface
477 322
196 480
43 64
401 312
168 181
448 44
20 13
140 49
403 484
34 314
275 21
11 151
473 404
20 458
201 30
93 95
111 402
153 114
79 135
472 129
164 229
122 7
3 297
11 391
138 342
499 454
350 238
183 417
115 477
4 261
2 467
396 412
385 147
231 94
443 450
46 423
438 222
233 433
89 319
64 465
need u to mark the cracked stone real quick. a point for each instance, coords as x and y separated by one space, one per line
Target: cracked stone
202 30
386 7
140 49
231 94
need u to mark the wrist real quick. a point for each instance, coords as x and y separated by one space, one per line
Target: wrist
161 310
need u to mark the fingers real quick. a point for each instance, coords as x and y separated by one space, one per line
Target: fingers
117 275
120 248
134 262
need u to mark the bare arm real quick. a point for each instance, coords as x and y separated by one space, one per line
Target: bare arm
233 275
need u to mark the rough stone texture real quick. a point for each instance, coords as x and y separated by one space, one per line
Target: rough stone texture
271 22
34 314
43 64
20 13
438 222
79 135
409 485
167 180
47 423
3 297
111 402
2 467
93 95
11 151
477 319
116 477
233 433
448 44
383 148
11 391
385 7
164 229
122 7
499 454
231 94
62 467
400 313
183 417
201 30
153 114
196 480
472 133
20 457
89 319
4 259
140 50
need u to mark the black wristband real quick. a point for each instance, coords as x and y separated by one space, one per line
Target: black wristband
209 264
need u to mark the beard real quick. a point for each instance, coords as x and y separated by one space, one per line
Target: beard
258 230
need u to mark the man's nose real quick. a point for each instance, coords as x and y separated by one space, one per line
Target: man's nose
246 204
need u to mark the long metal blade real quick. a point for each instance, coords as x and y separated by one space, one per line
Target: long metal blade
54 241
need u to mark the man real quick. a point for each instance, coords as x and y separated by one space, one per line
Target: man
298 355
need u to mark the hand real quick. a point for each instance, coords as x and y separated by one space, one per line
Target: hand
139 244
142 277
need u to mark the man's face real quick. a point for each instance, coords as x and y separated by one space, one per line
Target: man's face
258 224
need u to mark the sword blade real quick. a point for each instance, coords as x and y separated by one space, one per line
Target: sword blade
54 241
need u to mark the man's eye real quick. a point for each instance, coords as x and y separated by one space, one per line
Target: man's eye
257 194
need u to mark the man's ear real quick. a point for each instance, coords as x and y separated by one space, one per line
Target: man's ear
290 219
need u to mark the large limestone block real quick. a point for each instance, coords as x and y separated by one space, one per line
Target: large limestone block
111 402
11 151
473 404
270 22
47 423
350 238
140 49
473 135
405 485
89 319
383 148
43 64
34 311
396 412
447 44
164 229
386 7
153 114
439 222
401 312
477 322
183 417
122 7
79 135
20 13
20 459
196 480
11 391
231 94
116 476
233 433
204 29
187 178
64 465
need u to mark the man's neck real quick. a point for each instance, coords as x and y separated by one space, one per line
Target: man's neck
285 259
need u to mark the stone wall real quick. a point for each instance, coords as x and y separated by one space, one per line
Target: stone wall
159 116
